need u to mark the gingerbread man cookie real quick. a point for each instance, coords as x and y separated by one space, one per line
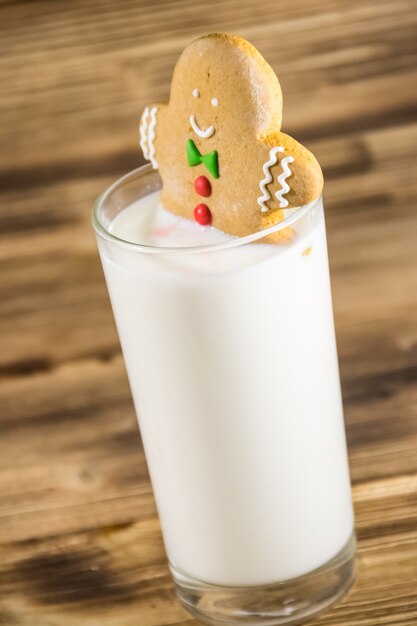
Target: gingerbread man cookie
218 146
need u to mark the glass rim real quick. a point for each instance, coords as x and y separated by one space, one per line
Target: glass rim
234 241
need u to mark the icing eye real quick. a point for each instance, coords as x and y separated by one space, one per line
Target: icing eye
196 93
215 102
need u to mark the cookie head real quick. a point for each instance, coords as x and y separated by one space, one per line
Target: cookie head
219 139
222 87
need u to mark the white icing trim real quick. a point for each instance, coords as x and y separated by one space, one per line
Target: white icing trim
151 138
267 177
215 102
196 93
208 132
143 128
283 202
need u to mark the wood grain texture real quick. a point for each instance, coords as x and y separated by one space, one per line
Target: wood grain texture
79 537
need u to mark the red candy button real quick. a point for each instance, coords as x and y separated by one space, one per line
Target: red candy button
202 186
202 214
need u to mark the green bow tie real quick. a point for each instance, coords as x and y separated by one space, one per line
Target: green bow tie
209 160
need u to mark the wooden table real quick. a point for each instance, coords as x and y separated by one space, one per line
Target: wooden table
80 540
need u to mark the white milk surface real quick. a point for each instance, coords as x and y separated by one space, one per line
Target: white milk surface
232 363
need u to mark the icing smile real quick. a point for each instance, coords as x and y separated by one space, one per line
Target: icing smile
204 133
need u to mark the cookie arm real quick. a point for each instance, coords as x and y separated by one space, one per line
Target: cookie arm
148 132
295 171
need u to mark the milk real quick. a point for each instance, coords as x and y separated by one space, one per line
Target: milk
232 364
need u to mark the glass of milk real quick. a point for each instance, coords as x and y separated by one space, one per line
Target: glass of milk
230 351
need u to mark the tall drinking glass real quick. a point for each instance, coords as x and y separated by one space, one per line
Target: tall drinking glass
231 357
